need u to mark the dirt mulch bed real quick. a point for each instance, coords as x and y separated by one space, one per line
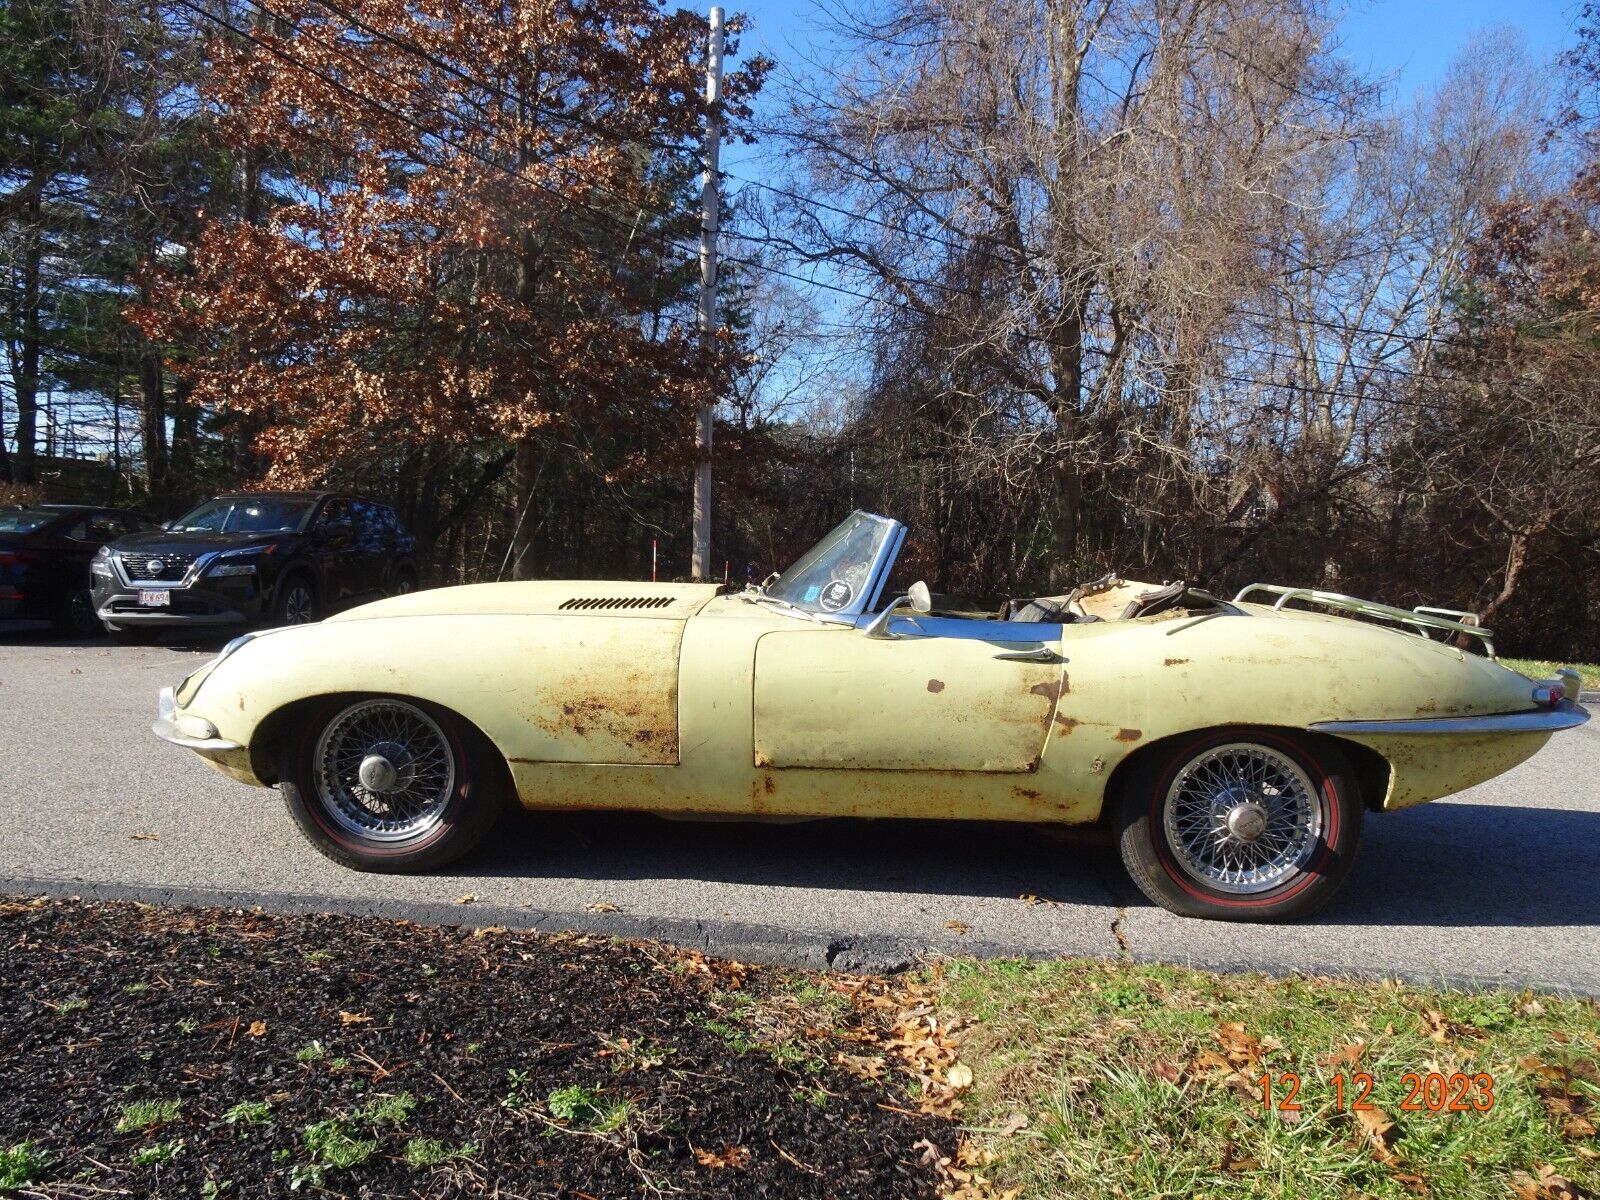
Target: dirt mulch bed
200 1052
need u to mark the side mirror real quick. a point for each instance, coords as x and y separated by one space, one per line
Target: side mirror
918 599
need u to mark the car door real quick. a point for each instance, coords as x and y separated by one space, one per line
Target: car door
374 549
333 536
941 695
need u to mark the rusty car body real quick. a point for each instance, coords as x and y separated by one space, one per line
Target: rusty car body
1234 746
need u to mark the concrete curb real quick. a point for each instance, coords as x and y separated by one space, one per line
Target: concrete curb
854 954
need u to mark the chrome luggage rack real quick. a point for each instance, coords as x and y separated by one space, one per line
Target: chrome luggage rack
1421 620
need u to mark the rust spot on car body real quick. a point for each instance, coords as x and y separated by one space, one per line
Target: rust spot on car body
936 685
1128 735
1174 662
1022 793
629 718
1050 691
1068 724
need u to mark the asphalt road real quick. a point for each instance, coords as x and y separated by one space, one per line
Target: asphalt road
1497 884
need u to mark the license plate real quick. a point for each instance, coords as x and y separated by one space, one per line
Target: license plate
157 599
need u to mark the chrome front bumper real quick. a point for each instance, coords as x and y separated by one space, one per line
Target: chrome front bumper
188 735
1568 714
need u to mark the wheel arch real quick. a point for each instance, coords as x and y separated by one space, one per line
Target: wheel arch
1372 771
273 736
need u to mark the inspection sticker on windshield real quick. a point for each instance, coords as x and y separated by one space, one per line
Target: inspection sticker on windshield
811 593
835 596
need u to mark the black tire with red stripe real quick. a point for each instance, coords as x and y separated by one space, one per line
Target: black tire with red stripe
477 797
1147 849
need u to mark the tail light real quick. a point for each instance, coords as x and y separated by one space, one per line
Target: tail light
1549 694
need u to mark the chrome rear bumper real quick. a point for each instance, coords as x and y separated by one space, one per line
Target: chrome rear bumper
1568 714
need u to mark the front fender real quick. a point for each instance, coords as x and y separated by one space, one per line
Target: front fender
576 689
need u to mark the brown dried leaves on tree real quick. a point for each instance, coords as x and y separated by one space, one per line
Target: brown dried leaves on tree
467 240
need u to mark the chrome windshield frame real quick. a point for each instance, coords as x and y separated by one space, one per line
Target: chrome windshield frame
866 601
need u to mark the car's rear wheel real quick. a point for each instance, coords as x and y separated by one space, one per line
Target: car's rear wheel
1240 824
388 784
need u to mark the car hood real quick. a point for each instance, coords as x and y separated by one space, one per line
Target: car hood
589 598
161 541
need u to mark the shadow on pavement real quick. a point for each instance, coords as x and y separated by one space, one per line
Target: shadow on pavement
1445 865
23 633
1500 865
934 857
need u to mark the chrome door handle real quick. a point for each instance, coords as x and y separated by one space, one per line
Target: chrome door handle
1042 655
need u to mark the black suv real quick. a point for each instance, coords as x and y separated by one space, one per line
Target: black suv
283 558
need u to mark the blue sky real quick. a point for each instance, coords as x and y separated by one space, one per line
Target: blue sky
1412 41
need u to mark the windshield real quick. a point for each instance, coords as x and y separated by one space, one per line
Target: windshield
244 514
832 575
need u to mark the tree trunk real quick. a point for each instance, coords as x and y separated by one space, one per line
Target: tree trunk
26 380
153 423
185 438
527 481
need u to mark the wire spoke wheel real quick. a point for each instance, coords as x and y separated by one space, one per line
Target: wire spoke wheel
1242 818
384 770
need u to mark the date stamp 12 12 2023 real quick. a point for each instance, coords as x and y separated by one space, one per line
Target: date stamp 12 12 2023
1431 1092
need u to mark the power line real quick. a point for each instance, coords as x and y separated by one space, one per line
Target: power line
812 202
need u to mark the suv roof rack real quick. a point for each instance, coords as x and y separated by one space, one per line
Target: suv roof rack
1421 620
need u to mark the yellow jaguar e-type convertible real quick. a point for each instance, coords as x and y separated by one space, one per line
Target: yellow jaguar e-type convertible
1233 746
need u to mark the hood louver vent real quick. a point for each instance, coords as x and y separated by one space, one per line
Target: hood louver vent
594 602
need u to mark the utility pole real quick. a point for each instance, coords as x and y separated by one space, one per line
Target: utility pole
700 563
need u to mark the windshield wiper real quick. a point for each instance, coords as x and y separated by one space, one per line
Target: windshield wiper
783 605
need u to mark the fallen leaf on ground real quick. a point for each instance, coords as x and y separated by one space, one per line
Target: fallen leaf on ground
257 1029
469 898
1232 1160
144 837
1551 1185
1015 1123
352 1018
1242 1049
737 1157
1378 1127
863 1066
1030 898
960 1077
602 906
1346 1056
958 927
487 930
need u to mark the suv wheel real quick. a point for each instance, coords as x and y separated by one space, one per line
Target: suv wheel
296 603
78 618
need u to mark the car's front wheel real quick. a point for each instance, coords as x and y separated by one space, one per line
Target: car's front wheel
1240 824
394 785
77 617
296 602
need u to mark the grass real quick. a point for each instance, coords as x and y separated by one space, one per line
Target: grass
157 1153
249 1112
334 1143
1097 1079
431 1152
22 1164
147 1114
1539 668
